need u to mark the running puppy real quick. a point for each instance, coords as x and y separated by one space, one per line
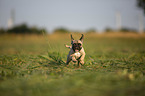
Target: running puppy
76 53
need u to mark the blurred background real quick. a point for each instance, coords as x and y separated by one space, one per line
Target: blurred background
33 34
31 16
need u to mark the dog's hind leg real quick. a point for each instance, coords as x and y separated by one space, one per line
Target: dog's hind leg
68 59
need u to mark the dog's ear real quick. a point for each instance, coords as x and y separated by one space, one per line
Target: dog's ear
82 38
72 38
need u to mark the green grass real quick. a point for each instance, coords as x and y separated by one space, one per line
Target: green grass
35 66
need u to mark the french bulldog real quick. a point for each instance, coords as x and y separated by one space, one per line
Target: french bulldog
76 53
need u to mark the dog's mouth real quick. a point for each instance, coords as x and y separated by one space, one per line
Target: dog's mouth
76 50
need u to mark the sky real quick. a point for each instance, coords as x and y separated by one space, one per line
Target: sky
72 14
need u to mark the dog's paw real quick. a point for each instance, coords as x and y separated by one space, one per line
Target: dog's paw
74 59
67 46
82 62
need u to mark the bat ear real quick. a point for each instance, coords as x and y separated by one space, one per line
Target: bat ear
72 38
82 38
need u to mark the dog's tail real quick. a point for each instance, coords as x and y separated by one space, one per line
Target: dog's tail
67 46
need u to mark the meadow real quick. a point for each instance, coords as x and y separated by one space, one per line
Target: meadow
34 65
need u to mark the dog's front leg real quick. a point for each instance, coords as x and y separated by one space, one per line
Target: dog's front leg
73 58
81 61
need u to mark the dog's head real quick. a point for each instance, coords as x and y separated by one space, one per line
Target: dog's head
77 44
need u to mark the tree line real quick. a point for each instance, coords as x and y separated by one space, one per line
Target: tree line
23 29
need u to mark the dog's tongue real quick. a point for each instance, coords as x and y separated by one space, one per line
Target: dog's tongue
76 50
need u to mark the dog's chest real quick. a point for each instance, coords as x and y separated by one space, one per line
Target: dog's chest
77 54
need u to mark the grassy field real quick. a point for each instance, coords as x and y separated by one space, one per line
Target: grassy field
32 65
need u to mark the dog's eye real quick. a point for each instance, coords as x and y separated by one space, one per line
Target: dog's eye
74 44
79 44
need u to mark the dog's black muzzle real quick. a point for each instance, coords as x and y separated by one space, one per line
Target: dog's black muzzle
77 47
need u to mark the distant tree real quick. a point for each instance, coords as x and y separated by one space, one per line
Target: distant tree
42 31
61 30
2 31
141 4
128 30
125 30
91 30
37 31
108 29
24 29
